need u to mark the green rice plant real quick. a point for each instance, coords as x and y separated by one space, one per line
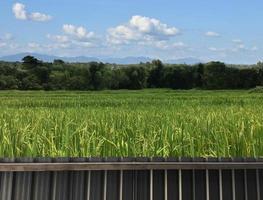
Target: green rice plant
131 123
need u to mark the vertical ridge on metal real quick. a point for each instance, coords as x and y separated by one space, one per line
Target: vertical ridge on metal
60 182
97 186
173 181
187 181
190 183
41 182
158 182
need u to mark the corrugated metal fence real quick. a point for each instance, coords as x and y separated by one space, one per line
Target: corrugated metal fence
131 179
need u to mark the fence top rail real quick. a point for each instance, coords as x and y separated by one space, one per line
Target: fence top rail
86 166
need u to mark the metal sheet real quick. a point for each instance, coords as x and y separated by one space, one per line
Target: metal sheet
142 185
146 184
187 182
22 183
41 189
96 182
158 182
172 182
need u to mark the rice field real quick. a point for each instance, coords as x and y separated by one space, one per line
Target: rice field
131 123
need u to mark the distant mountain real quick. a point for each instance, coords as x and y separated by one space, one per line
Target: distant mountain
128 60
189 61
47 58
125 60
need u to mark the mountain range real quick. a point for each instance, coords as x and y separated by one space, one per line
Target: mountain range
83 59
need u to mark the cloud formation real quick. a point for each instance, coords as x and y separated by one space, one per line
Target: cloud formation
141 29
212 34
238 41
36 16
77 31
58 38
74 36
6 37
254 48
239 47
20 13
213 49
152 26
166 45
2 44
6 40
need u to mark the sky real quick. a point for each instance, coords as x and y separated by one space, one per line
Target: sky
227 30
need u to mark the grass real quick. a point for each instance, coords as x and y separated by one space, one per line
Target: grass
131 123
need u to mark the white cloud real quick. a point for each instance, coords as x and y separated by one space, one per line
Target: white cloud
14 46
79 32
74 37
33 45
152 26
217 49
140 29
5 40
241 46
8 36
238 41
168 45
20 13
212 34
58 38
122 35
212 49
54 46
36 16
161 45
179 45
2 44
43 48
84 44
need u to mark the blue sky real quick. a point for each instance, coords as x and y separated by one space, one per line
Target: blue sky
225 30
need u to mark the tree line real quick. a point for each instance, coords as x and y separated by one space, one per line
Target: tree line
33 74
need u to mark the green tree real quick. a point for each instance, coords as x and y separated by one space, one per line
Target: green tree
97 75
29 62
156 74
214 75
137 77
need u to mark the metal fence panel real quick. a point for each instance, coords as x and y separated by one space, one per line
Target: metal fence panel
251 184
96 182
41 188
6 185
60 187
113 182
144 184
158 182
77 182
22 183
172 182
240 184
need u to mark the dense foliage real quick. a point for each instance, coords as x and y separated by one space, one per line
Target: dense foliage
32 74
131 123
